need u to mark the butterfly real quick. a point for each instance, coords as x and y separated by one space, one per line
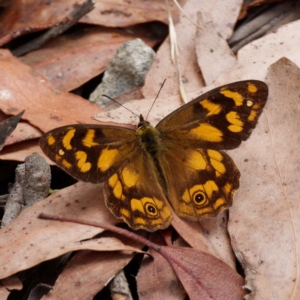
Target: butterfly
177 164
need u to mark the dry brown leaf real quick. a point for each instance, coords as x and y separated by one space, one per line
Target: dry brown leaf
156 278
203 275
7 127
27 240
18 15
12 283
264 225
124 13
86 274
45 107
23 132
74 58
209 235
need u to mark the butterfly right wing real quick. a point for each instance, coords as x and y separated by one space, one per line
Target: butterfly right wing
219 119
89 153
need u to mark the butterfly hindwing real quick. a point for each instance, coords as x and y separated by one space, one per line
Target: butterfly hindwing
201 182
134 194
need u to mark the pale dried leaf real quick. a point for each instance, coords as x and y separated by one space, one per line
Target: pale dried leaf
255 58
212 50
27 240
264 225
86 274
222 14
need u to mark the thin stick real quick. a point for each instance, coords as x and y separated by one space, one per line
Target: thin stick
117 230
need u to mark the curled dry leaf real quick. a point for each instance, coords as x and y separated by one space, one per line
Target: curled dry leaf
27 240
264 220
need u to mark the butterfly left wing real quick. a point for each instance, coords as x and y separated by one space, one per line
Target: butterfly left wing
89 153
134 194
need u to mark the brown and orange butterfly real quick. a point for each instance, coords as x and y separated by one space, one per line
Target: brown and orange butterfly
178 163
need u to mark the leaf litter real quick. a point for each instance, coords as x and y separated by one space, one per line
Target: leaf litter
263 230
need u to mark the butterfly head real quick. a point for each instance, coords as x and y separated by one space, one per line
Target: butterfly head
143 123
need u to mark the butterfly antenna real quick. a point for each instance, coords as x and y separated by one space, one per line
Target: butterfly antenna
156 98
121 105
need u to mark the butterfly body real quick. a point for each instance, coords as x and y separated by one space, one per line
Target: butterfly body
178 164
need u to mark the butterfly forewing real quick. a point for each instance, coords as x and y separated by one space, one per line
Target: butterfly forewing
89 152
219 119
